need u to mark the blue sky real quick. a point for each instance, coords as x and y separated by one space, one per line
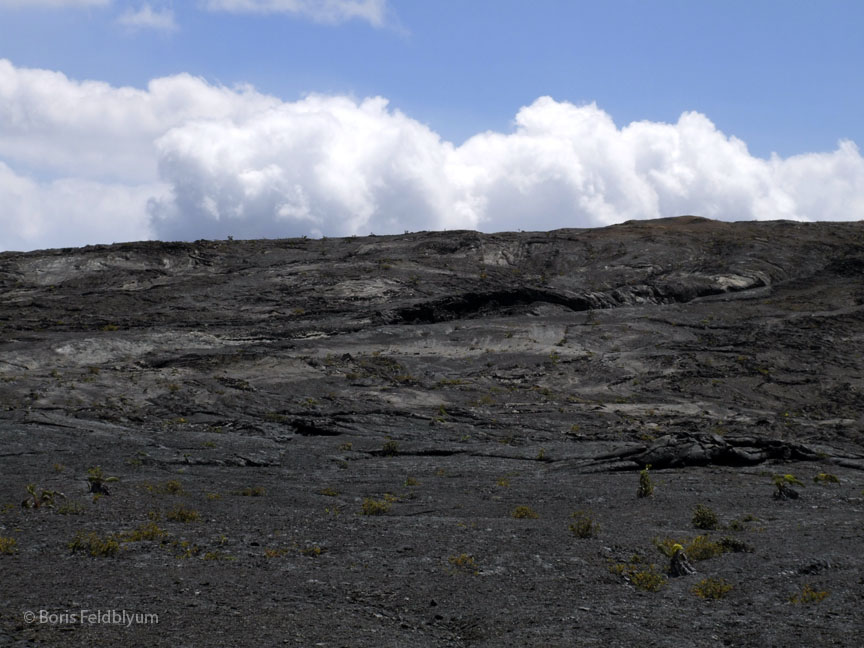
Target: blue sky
750 79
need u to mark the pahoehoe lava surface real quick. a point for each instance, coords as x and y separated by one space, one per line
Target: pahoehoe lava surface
323 442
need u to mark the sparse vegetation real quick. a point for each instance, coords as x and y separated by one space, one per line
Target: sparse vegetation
375 507
39 498
584 525
826 478
705 518
703 548
275 553
170 487
329 492
649 580
524 513
94 544
808 595
97 479
8 546
699 548
182 514
148 531
463 563
646 487
783 484
641 576
712 588
390 449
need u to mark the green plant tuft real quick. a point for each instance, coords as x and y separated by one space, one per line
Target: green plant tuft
712 588
826 478
39 498
808 595
181 514
524 513
148 531
8 546
96 480
584 525
464 563
646 488
375 507
95 545
705 518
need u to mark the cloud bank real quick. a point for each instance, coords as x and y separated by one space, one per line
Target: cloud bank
85 162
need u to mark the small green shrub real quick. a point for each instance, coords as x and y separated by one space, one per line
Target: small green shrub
218 555
148 531
808 595
826 478
329 492
96 480
524 513
375 507
712 588
313 551
703 548
641 576
8 546
390 449
95 545
699 548
173 487
705 518
181 514
39 498
784 484
463 563
667 546
646 488
583 525
648 580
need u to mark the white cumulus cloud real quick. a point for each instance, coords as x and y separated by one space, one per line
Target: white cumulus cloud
70 212
86 162
336 166
146 17
324 11
92 129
